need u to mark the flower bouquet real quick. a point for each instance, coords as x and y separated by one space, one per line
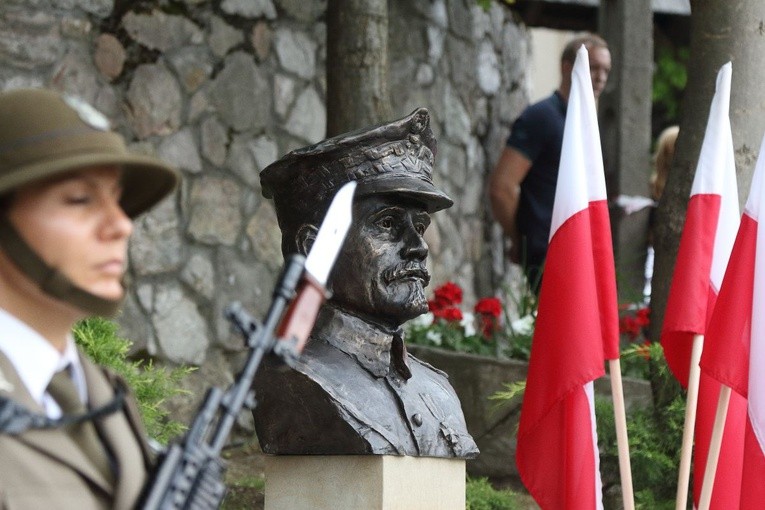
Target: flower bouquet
634 320
486 330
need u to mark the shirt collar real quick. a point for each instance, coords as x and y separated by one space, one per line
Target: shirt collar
374 347
34 358
562 104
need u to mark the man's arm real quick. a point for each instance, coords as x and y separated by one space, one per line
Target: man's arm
505 192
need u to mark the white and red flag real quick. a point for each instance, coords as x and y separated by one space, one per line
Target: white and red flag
711 222
577 321
734 350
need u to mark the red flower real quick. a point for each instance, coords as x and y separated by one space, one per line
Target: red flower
643 317
450 314
629 325
488 310
490 306
489 325
447 295
634 324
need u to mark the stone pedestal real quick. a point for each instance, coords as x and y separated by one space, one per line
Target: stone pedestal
369 482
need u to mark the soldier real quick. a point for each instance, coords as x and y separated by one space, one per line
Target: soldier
356 390
70 437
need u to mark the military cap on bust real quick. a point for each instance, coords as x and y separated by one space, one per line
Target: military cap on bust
394 158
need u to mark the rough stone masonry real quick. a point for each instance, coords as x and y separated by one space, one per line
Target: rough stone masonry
221 89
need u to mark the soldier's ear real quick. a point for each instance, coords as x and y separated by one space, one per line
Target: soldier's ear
305 237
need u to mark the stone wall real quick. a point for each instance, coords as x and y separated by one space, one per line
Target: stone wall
222 88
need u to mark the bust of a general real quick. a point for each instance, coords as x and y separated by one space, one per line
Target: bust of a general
356 390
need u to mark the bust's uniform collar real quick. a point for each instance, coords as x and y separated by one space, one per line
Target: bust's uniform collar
374 347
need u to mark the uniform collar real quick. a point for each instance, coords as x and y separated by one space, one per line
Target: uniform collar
374 347
36 360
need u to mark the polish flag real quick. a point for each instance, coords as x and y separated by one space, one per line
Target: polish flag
711 222
734 351
577 321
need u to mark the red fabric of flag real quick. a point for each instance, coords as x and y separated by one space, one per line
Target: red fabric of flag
725 360
734 351
577 321
689 294
726 347
711 221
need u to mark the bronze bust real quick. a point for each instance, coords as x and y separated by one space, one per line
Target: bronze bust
355 389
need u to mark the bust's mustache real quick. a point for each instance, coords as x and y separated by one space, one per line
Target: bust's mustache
406 270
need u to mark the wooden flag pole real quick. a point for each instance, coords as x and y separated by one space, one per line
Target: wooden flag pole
692 398
714 448
620 420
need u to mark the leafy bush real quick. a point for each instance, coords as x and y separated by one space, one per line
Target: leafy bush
480 495
669 79
152 385
655 437
655 440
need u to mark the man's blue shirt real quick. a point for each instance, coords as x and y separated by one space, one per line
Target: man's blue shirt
538 134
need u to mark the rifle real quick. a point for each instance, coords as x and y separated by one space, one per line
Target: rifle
189 474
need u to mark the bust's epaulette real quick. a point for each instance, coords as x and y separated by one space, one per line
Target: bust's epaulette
427 365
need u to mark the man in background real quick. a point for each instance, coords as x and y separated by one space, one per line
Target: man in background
522 185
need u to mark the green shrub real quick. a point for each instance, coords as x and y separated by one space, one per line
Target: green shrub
480 495
669 79
655 438
152 384
450 336
486 4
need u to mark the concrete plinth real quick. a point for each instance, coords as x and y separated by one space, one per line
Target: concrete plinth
369 482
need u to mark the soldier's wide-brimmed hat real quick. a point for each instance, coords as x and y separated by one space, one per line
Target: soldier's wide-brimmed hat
392 158
44 133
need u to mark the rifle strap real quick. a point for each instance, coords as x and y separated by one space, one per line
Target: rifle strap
16 419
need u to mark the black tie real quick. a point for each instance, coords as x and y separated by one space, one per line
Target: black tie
63 390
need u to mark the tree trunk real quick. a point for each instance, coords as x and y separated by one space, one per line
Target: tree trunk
357 64
722 31
625 111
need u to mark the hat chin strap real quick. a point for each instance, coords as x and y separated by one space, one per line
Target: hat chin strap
50 280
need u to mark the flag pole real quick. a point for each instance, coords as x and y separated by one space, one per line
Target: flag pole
620 420
690 421
714 448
